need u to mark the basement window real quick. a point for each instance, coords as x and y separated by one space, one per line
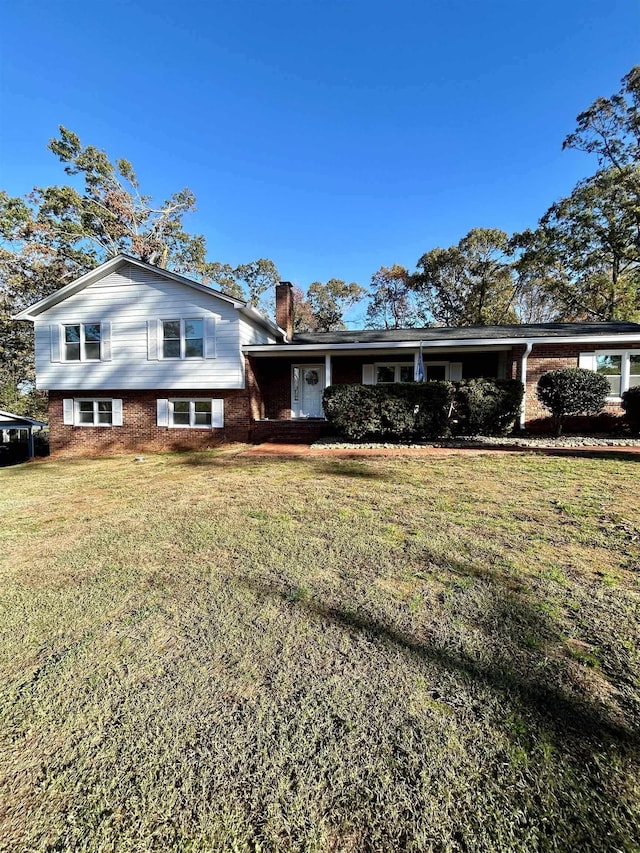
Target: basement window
196 413
94 412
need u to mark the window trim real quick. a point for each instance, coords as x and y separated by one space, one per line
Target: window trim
183 339
192 401
82 342
625 368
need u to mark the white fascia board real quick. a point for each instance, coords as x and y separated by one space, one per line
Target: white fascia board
483 343
105 269
257 317
7 418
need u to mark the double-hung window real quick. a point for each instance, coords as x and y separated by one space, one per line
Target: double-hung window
92 412
196 413
190 413
81 342
394 373
621 368
182 339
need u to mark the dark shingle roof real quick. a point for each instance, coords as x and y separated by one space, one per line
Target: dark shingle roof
442 333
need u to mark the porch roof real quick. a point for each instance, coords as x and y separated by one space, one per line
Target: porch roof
11 421
465 336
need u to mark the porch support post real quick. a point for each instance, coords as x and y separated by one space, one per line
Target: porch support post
523 377
327 370
30 444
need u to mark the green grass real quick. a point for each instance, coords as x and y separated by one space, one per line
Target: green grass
211 651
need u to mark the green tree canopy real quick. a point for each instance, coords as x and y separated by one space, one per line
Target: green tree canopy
586 249
586 253
329 302
258 280
391 299
469 284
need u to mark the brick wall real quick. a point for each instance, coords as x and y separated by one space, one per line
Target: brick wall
545 357
140 431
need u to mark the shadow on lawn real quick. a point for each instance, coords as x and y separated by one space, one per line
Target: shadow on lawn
356 467
562 712
348 468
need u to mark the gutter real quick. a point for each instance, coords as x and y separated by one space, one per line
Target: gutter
266 349
523 377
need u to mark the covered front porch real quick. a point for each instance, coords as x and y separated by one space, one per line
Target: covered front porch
288 387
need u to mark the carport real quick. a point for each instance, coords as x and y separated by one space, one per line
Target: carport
10 422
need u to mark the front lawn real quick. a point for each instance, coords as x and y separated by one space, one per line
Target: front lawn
212 651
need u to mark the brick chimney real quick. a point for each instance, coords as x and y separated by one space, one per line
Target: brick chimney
284 307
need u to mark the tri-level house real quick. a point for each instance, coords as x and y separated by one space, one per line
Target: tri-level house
135 357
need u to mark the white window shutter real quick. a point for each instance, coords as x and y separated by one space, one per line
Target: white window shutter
217 413
55 332
162 412
587 360
67 411
368 374
210 337
455 371
152 340
116 412
105 340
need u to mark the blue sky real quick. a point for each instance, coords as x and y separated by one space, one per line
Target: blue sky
332 136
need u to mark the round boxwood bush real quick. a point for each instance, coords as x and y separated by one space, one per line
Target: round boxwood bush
572 391
631 406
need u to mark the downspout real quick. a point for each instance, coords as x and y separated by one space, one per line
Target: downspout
523 377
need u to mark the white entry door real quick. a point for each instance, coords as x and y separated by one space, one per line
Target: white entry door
307 387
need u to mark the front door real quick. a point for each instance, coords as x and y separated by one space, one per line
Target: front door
307 387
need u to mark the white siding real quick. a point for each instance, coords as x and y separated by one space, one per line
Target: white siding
254 334
127 299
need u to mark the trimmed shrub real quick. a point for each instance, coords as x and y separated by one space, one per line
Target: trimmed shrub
487 406
352 410
393 412
631 406
572 391
434 404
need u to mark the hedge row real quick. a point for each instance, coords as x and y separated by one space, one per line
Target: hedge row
414 411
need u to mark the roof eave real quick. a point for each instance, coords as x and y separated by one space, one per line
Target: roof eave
257 317
32 311
451 342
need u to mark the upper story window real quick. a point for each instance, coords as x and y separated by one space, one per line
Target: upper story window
82 342
182 339
622 369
